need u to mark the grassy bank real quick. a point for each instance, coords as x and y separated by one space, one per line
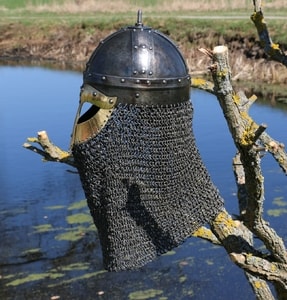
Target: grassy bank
67 31
129 5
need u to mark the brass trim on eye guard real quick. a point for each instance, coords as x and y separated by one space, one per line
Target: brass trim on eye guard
95 97
93 120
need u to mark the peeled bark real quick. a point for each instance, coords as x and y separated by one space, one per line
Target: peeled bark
49 151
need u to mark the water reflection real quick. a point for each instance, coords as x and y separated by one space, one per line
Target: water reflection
49 245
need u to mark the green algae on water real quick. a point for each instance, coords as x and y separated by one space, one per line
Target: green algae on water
11 276
55 207
72 235
78 205
43 228
182 279
172 252
276 212
279 201
31 251
34 277
75 267
83 277
146 294
79 218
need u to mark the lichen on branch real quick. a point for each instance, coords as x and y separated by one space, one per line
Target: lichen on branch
49 151
270 48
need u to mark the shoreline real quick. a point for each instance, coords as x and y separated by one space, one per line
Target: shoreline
68 47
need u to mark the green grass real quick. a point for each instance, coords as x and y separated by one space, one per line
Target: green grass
155 14
15 4
158 6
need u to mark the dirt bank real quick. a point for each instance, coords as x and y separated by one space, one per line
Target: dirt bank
70 47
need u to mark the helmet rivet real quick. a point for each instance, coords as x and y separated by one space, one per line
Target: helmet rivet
111 101
140 73
94 94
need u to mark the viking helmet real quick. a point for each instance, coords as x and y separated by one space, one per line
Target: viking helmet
146 185
139 65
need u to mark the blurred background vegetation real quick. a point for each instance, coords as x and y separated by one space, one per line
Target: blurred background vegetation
174 6
68 30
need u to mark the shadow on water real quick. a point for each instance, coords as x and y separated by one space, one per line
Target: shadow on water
49 246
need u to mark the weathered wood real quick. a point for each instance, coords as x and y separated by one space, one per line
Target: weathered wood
236 238
206 234
245 133
49 151
274 147
271 270
270 48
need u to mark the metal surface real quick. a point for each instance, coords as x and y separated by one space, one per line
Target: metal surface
146 185
92 121
137 64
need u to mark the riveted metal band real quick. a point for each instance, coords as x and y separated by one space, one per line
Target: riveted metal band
95 79
95 97
142 91
148 96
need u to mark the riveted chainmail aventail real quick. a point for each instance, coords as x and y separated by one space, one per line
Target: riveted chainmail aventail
146 185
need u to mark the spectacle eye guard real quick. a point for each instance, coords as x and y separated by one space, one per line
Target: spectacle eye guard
91 121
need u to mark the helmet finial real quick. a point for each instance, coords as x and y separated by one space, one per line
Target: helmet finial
147 65
139 20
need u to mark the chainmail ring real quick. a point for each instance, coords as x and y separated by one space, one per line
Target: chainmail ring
146 185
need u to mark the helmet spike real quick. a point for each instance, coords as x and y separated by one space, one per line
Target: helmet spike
146 185
139 20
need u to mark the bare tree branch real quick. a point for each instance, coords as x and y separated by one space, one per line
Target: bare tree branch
49 151
245 133
243 129
273 50
256 265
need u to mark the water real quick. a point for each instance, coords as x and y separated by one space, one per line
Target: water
49 246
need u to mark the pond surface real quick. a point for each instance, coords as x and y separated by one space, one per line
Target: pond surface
49 245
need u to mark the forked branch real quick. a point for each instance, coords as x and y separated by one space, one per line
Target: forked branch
49 151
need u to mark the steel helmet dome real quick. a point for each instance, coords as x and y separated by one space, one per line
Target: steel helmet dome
139 65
